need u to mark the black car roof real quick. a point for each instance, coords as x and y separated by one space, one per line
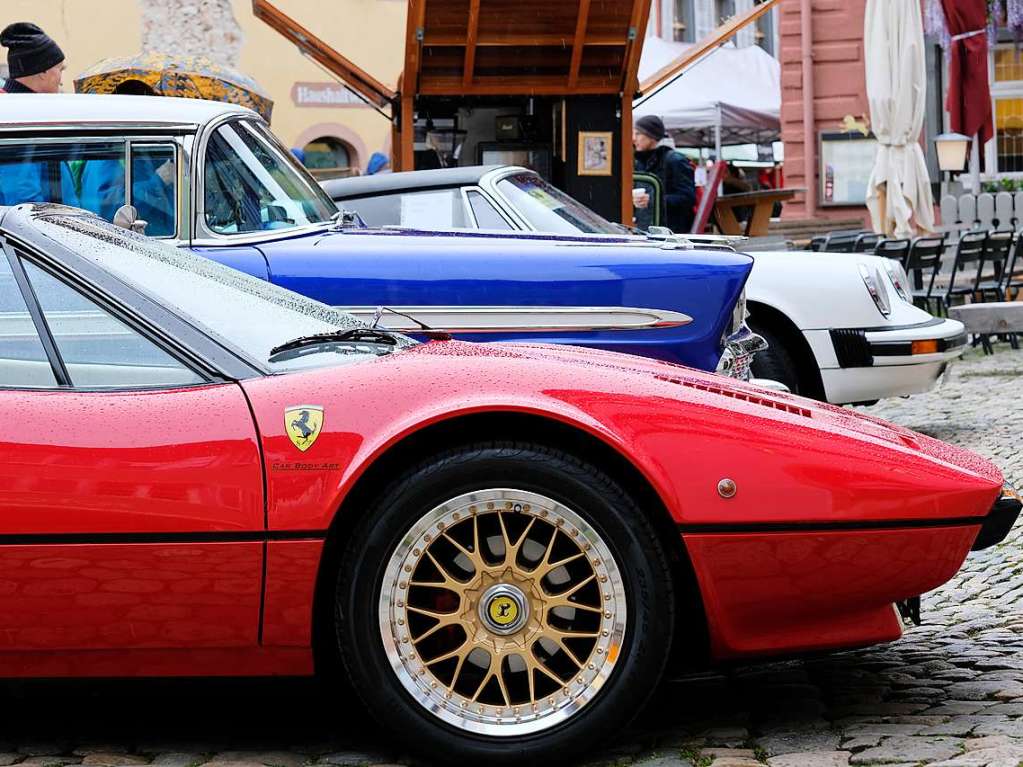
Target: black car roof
382 183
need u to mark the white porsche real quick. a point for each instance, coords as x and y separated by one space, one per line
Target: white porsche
841 327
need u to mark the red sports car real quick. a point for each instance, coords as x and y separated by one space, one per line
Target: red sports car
203 474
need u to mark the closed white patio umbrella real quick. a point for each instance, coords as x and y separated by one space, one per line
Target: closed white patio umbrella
899 192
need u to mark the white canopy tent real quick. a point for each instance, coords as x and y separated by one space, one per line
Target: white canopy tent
730 96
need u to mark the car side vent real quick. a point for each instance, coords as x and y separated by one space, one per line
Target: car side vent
745 396
851 348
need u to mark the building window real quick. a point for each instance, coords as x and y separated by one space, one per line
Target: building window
1007 93
327 157
1009 134
683 24
1008 65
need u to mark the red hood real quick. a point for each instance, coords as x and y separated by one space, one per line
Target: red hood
793 459
729 393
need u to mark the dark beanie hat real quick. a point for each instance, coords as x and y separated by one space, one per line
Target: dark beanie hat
652 126
30 50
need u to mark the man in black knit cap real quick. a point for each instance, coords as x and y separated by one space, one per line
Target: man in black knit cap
674 171
34 61
35 64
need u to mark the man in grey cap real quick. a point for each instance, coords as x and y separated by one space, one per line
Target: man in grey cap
34 61
674 171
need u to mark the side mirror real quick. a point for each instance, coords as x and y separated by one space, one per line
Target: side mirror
127 217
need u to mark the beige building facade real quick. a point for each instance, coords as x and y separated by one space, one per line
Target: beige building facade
311 110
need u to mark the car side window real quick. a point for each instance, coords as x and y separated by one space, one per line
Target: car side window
487 216
154 187
251 187
23 360
91 175
377 211
98 349
426 209
86 175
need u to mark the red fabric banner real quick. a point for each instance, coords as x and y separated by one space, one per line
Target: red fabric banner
969 92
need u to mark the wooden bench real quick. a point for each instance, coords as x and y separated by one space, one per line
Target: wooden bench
762 203
995 318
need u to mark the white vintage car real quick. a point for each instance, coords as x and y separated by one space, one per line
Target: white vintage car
841 327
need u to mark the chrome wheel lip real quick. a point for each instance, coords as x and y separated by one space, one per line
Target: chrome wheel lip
454 709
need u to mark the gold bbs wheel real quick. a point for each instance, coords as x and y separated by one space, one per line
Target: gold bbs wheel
502 612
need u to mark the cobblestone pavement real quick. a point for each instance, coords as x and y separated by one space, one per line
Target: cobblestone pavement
949 694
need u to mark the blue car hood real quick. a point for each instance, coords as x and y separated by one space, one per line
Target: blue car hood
365 267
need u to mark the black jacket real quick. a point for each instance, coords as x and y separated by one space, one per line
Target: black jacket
676 175
13 86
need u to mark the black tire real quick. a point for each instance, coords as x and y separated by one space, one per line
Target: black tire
775 362
595 498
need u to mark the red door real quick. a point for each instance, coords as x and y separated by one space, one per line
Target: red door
131 490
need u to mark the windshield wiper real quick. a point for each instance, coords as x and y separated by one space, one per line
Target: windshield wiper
436 335
379 336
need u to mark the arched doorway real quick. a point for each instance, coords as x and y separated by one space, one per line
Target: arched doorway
328 157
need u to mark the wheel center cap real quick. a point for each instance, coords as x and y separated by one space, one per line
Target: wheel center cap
503 609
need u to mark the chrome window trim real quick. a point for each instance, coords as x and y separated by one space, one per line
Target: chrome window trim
129 195
489 182
524 319
185 233
118 139
467 212
71 127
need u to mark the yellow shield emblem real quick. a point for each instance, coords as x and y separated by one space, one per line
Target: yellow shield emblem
503 611
303 424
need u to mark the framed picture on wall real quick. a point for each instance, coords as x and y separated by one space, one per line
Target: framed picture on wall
595 153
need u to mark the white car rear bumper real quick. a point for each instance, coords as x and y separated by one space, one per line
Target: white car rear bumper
863 364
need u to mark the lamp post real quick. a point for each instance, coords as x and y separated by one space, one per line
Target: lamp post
952 149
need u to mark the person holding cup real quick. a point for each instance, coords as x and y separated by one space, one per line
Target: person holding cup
655 154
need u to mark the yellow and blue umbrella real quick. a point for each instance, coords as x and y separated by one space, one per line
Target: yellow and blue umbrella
194 77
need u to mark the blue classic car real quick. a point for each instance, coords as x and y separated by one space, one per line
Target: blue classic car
213 178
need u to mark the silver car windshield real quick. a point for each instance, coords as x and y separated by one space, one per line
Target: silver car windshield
252 184
548 209
243 312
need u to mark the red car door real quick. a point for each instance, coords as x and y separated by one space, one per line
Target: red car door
131 488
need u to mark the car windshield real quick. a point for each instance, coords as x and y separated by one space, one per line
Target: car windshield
252 184
243 312
548 209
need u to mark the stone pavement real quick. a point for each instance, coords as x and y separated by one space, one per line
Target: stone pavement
949 694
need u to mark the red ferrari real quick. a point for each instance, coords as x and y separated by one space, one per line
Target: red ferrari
203 474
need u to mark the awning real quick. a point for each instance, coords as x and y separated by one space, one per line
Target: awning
736 88
493 47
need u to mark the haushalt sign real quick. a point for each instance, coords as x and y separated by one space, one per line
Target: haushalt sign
325 94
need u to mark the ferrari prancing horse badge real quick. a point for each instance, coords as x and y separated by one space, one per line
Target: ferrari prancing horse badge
303 424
